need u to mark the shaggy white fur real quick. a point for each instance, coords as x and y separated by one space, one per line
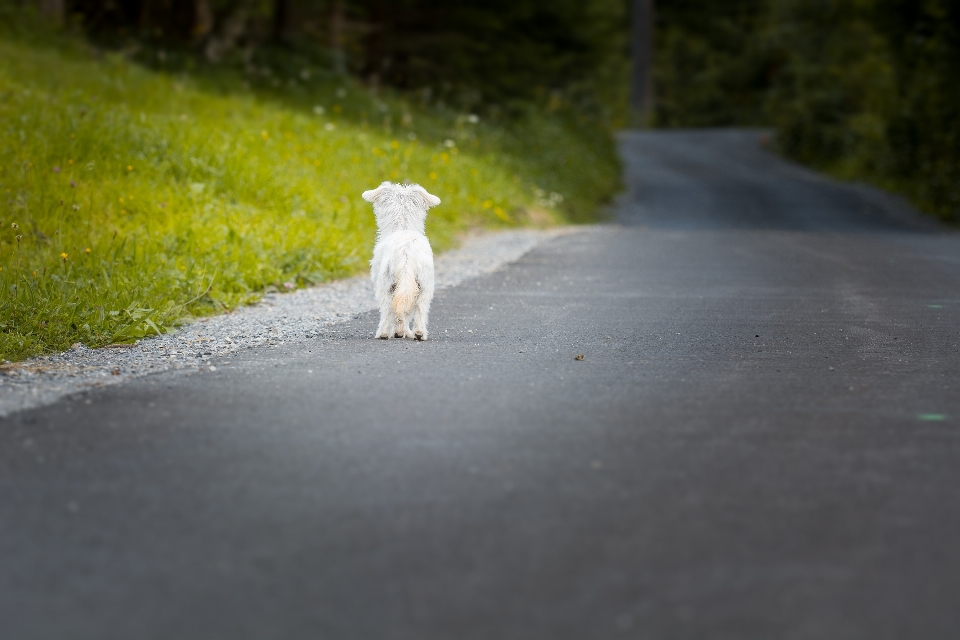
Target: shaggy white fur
402 265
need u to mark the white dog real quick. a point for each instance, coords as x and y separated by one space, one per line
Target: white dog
402 265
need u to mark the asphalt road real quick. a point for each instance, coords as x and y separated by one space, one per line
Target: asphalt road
761 441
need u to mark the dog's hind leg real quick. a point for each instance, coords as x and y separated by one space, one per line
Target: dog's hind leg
385 329
422 307
402 326
420 319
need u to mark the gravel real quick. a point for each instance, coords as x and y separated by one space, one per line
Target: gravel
305 314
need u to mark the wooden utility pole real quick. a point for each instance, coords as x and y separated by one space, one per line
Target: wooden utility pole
641 42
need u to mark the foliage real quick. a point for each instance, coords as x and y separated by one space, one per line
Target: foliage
135 199
861 88
711 68
473 54
498 52
868 92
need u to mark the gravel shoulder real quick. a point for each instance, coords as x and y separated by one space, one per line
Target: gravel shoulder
277 319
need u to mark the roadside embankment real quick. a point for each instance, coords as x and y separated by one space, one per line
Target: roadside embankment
135 199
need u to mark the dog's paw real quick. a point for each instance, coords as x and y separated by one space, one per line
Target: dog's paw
420 336
382 336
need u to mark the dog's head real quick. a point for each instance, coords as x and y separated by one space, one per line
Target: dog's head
400 207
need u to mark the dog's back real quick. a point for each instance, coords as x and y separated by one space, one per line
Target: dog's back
403 261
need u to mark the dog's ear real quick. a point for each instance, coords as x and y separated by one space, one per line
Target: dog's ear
373 194
429 199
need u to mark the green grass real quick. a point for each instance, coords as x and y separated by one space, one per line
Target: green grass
136 199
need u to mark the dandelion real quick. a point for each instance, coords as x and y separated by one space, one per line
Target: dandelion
69 161
87 250
73 135
264 135
129 167
395 145
63 257
433 175
486 204
34 273
121 199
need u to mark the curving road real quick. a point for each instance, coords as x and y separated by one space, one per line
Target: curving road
761 441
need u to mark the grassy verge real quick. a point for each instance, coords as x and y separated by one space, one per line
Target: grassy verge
135 199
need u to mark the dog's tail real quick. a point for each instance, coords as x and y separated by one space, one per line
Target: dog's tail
405 292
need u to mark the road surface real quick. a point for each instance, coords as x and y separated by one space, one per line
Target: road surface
762 440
